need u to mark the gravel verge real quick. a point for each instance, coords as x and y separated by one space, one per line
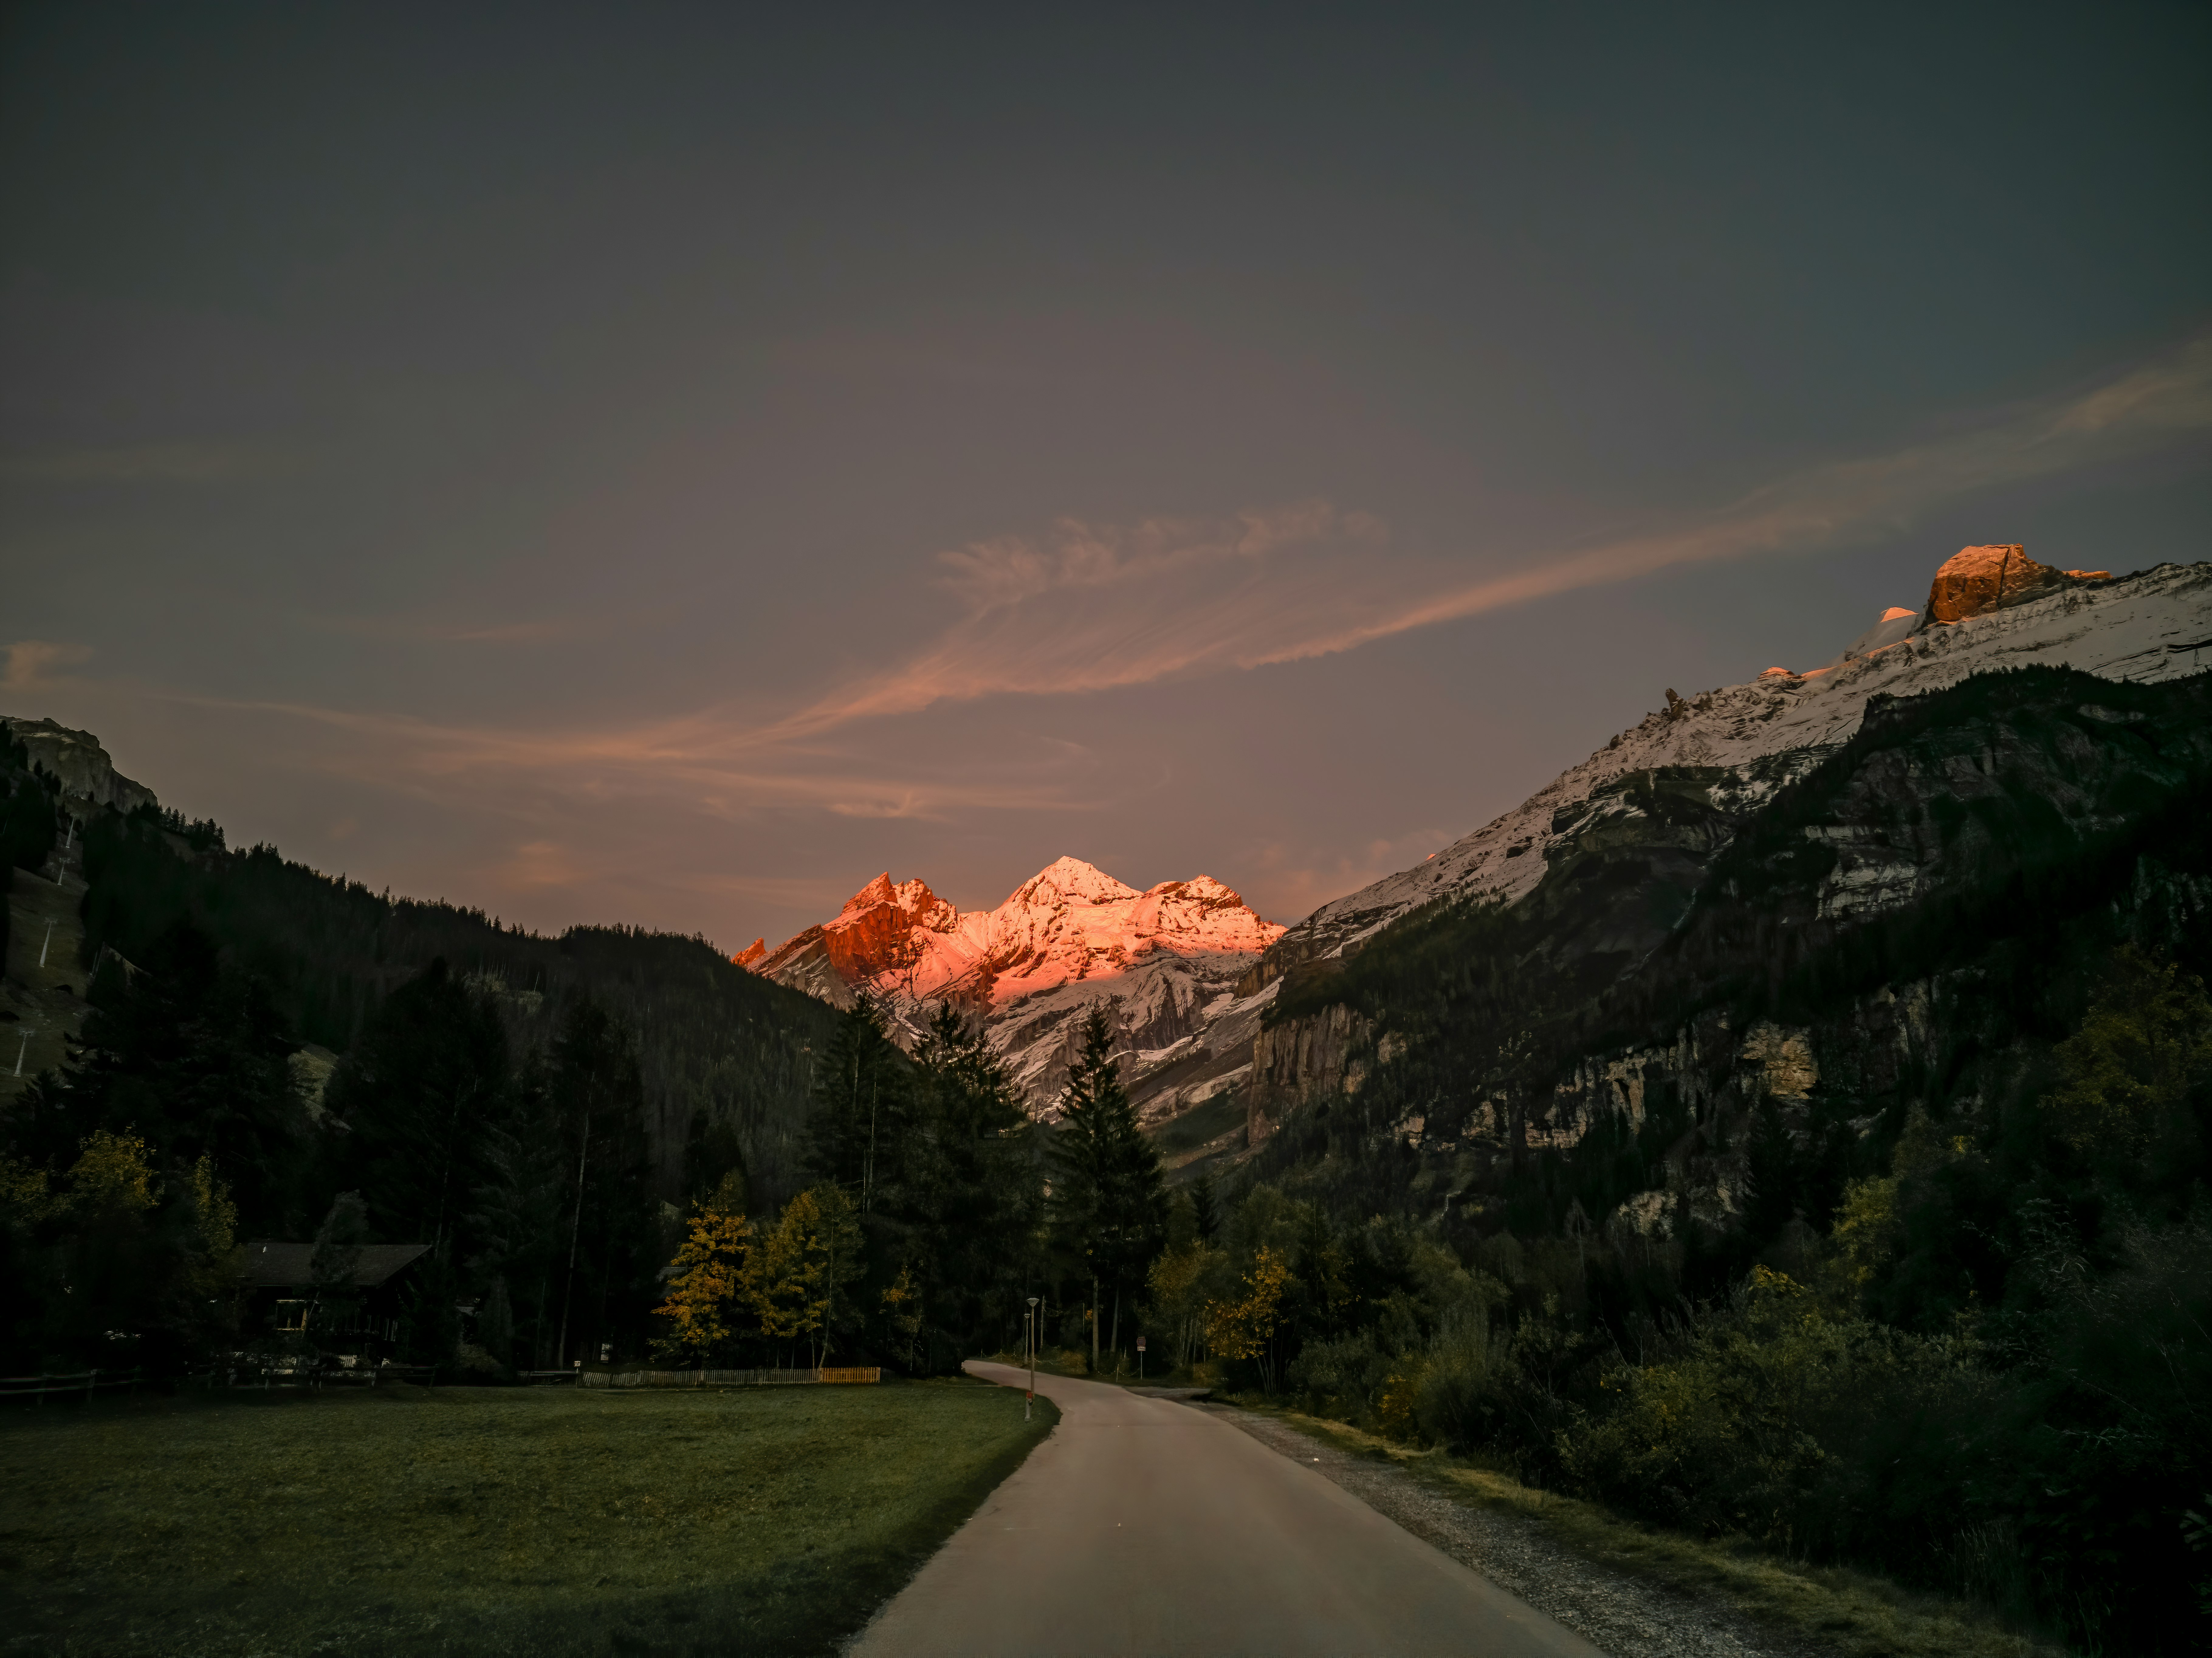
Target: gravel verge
1625 1616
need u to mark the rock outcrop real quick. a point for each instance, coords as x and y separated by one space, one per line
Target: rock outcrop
87 773
1976 581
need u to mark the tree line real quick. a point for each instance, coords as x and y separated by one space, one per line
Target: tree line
182 1128
936 1207
185 1126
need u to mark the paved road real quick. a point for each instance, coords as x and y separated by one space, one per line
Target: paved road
1142 1527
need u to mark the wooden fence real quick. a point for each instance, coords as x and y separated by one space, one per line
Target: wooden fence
727 1378
311 1376
83 1385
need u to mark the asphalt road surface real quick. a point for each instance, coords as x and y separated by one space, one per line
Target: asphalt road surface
1143 1527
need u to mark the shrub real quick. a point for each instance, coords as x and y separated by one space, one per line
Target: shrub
1762 1422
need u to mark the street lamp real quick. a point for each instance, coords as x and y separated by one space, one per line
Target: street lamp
1033 1347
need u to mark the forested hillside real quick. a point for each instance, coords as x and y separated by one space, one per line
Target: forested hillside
717 1046
1834 1172
262 1052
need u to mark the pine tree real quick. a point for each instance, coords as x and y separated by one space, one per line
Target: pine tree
521 1215
1205 1210
415 1097
611 1236
187 1054
861 1098
966 1203
1109 1199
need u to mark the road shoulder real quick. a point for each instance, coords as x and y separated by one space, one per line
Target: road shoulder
1626 1590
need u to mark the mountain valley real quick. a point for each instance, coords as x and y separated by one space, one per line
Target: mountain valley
1603 862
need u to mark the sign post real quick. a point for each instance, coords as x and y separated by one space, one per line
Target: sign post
1140 1358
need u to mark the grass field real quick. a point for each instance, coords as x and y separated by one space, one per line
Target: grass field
484 1520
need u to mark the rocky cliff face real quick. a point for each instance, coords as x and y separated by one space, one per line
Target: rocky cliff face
1752 739
1165 961
1875 936
1976 581
87 773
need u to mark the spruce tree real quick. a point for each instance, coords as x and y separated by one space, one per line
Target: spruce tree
1109 1199
187 1054
860 1099
970 1196
415 1097
1205 1210
611 1231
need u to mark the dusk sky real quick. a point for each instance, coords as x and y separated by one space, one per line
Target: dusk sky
666 465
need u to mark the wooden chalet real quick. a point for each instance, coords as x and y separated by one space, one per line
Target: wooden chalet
285 1299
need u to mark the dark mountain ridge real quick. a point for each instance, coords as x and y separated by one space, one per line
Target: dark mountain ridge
721 1052
1894 928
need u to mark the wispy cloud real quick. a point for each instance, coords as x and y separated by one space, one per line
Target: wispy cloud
1092 608
32 662
540 864
1084 607
720 769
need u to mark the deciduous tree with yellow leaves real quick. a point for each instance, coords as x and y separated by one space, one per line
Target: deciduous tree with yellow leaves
716 1280
1246 1327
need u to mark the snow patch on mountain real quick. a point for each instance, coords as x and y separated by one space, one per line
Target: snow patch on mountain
1066 938
2156 624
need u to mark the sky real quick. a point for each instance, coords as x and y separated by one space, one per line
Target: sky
665 464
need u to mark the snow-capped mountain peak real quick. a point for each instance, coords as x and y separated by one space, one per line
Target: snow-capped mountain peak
1066 880
1063 939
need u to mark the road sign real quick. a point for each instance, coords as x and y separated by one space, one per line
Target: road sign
1140 1344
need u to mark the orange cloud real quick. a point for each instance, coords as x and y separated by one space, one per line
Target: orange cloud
1088 607
32 662
1093 609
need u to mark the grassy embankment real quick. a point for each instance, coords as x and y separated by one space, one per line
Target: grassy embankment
478 1522
1847 1612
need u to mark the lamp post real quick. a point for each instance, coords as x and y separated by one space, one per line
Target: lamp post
1031 1394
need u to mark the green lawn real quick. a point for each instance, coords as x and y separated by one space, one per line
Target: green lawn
483 1521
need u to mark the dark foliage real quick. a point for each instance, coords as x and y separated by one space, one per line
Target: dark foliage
1109 1200
711 1039
936 1155
1967 1276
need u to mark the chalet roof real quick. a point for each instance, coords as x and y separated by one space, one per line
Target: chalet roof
271 1264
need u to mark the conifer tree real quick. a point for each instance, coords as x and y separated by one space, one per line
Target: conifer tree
968 1200
1109 1199
612 1236
1205 1209
416 1097
187 1054
860 1099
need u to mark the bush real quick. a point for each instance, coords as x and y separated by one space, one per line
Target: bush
1765 1419
1456 1400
